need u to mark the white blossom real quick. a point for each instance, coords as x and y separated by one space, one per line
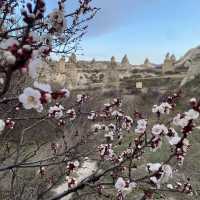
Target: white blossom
31 99
173 137
153 167
116 113
110 135
167 173
174 140
57 20
170 186
155 181
5 44
9 58
181 121
72 166
96 127
141 126
120 184
92 115
192 114
193 100
159 129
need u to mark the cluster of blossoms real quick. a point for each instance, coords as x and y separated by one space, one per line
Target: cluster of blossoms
72 166
56 111
111 132
127 123
185 187
173 137
167 105
107 111
108 107
126 153
141 126
56 20
92 115
8 123
81 98
71 113
158 130
181 149
106 152
98 127
23 52
35 98
186 122
161 173
71 182
124 187
163 108
117 114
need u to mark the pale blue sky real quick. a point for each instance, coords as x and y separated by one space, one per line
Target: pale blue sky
142 28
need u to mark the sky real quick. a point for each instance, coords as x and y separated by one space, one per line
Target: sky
140 29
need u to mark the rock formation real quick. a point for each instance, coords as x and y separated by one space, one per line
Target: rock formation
146 63
173 59
113 61
168 65
125 60
194 66
185 60
93 61
112 75
75 74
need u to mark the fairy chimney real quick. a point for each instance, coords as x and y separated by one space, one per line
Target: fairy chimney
146 63
113 61
168 65
173 58
93 61
125 60
112 75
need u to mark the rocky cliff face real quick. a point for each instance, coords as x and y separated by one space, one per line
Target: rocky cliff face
192 61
